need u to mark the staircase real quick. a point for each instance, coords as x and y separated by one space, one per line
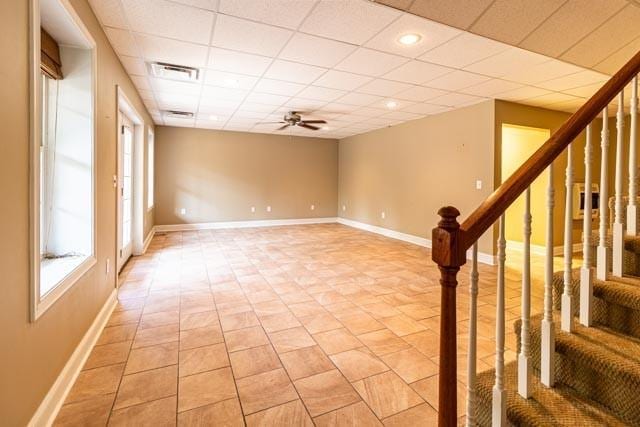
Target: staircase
579 361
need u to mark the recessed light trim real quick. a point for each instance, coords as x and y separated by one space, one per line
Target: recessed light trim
409 39
391 104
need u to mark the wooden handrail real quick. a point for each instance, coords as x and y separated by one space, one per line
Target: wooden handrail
451 240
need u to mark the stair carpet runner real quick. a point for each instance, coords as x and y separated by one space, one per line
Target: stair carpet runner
597 369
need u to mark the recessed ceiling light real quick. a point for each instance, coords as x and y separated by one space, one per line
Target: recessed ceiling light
392 104
409 39
325 128
213 118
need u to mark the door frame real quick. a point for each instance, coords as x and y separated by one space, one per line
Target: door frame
124 105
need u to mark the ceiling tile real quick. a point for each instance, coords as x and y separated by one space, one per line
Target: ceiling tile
109 13
426 108
278 87
202 4
354 21
491 88
172 86
456 99
209 124
383 87
337 107
293 72
571 81
341 80
419 93
370 62
133 65
172 51
219 106
569 24
417 72
283 13
551 98
321 93
168 19
401 115
384 104
302 104
246 36
457 80
267 98
545 71
510 21
463 50
236 62
261 108
177 101
585 91
614 62
370 112
146 94
521 93
122 41
233 80
361 99
596 46
141 82
314 50
459 14
214 92
186 123
431 34
510 61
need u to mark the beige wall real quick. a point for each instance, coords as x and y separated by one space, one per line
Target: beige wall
33 354
411 170
220 175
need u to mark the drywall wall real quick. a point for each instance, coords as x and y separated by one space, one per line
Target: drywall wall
33 354
219 176
411 170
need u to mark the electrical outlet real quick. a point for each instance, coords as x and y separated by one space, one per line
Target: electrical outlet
478 185
253 209
313 207
183 211
268 208
383 215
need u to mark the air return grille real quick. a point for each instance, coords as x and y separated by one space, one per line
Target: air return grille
182 73
179 114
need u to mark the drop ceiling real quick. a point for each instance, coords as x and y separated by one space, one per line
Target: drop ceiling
338 60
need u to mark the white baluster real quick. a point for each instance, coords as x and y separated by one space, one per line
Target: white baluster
524 362
632 208
586 272
618 224
548 336
566 320
473 338
499 409
602 267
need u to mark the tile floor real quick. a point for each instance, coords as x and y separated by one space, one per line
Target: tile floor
286 326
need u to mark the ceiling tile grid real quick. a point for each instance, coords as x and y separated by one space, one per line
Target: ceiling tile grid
335 60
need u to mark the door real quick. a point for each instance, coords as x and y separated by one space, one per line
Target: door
125 186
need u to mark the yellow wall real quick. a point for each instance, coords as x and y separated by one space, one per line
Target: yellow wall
33 354
220 175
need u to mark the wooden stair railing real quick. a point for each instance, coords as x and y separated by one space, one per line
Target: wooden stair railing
451 240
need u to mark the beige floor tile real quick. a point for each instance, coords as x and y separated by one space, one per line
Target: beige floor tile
201 319
291 339
320 323
322 393
386 394
426 342
123 317
359 322
91 412
428 390
421 415
205 388
243 339
306 362
308 308
265 390
254 361
410 365
201 359
157 356
147 386
357 414
231 322
108 354
288 414
383 342
279 321
161 318
200 337
359 363
158 413
268 308
118 333
337 341
226 413
402 325
155 336
418 311
96 382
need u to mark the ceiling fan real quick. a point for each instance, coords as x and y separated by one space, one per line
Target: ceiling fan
294 118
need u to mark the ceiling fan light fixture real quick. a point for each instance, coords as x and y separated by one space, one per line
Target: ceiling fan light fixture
409 39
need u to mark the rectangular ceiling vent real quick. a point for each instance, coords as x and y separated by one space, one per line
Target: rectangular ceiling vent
181 73
179 114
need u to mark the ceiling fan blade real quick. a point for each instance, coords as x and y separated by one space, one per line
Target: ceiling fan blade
314 121
305 125
269 123
284 127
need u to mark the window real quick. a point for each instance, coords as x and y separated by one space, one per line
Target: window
150 169
62 163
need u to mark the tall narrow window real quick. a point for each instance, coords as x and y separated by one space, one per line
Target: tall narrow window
62 164
150 169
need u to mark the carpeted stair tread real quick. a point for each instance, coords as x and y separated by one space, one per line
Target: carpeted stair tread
557 406
631 243
600 364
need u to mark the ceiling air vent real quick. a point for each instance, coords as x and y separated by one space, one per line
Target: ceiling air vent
179 114
181 73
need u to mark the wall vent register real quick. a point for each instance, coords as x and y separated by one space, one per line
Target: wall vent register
181 73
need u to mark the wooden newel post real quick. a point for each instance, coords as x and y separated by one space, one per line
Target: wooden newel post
449 253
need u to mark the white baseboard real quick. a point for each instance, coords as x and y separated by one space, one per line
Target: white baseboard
147 240
512 245
242 224
52 402
483 258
